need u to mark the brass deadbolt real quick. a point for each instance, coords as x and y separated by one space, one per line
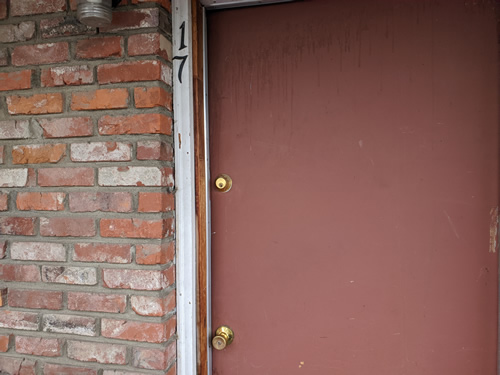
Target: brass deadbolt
223 337
223 183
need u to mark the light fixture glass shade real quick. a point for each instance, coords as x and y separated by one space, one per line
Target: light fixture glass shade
94 13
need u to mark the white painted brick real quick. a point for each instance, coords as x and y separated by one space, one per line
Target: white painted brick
42 251
101 151
14 129
13 177
134 176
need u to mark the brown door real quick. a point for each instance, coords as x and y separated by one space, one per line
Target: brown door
362 141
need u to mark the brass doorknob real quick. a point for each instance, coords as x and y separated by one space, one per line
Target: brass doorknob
223 183
223 337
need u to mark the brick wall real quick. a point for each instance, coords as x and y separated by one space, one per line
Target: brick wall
87 280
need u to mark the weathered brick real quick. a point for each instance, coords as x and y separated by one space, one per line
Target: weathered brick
4 55
4 201
17 366
133 228
150 44
39 346
138 331
67 76
3 296
101 151
150 123
97 352
67 127
37 154
69 324
20 32
118 372
29 7
13 177
167 4
156 202
102 253
63 26
65 177
15 129
131 71
149 97
40 54
42 251
3 249
35 105
18 320
5 341
2 151
35 299
135 176
138 279
154 359
40 201
53 369
69 275
3 9
100 201
15 80
17 226
11 272
133 19
96 48
111 303
67 227
155 254
153 306
99 99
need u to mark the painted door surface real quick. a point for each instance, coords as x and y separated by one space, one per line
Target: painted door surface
362 140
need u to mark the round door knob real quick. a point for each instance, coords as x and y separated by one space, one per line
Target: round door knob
223 183
223 337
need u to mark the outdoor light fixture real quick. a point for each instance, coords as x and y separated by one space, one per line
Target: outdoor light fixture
95 13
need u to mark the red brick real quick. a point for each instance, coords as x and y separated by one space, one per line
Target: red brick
4 201
3 9
52 369
150 123
37 154
39 346
67 227
99 99
67 76
18 320
97 352
153 306
40 201
138 331
133 228
155 254
67 127
164 3
154 150
154 359
96 48
35 299
110 303
100 201
40 54
149 97
1 154
17 366
5 341
3 296
138 279
66 177
69 324
73 4
102 253
15 80
132 71
20 32
11 272
29 7
156 202
17 226
69 275
150 44
63 26
133 19
3 55
35 105
3 249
